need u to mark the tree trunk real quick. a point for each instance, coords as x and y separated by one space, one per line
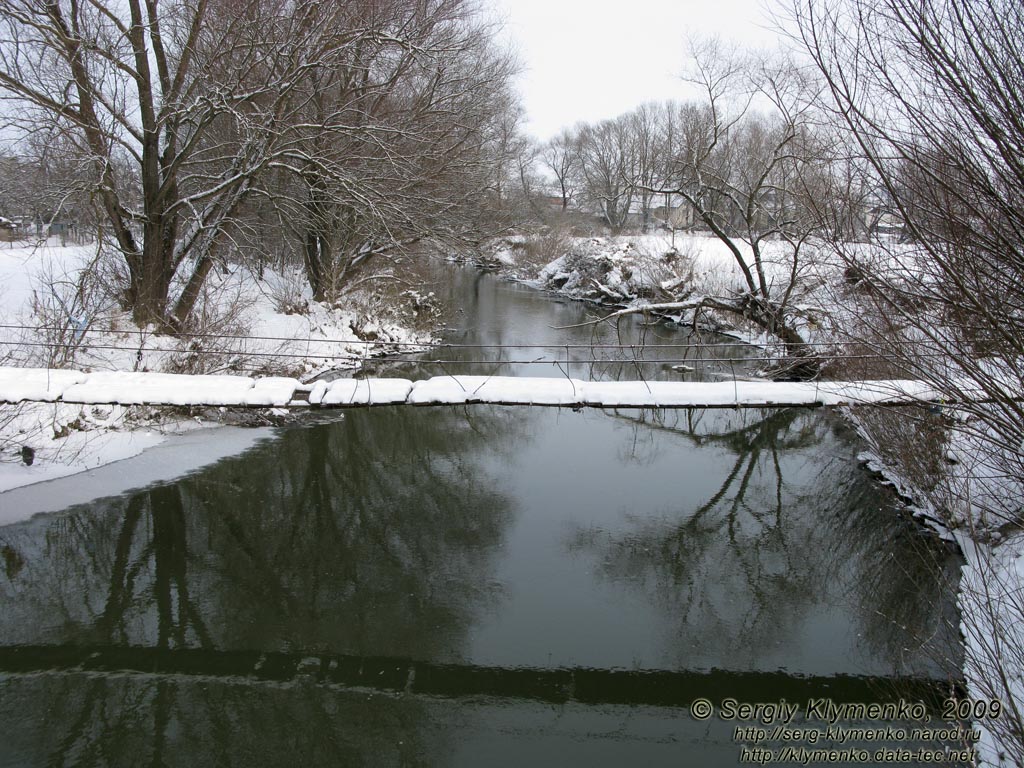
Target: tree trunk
317 263
187 301
800 364
148 291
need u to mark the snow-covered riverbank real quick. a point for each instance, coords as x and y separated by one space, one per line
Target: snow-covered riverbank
157 458
57 311
634 271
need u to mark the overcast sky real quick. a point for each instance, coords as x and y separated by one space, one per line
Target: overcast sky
588 60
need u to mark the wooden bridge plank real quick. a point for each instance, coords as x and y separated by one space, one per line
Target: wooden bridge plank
138 388
145 388
37 384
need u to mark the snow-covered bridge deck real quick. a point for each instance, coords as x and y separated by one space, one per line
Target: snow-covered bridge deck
126 388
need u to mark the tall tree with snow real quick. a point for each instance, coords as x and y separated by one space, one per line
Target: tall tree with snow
180 109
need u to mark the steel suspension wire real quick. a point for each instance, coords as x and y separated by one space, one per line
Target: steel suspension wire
453 361
448 345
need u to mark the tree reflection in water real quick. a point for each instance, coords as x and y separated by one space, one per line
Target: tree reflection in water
793 520
338 538
378 536
134 721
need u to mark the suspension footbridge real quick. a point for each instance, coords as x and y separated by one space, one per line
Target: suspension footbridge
147 388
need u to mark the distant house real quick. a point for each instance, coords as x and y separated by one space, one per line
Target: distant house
62 227
679 216
883 220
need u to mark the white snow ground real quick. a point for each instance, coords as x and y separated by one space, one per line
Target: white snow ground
991 602
51 317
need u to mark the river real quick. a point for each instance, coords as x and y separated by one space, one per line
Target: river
478 585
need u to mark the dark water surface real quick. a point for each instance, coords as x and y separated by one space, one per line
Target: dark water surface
472 586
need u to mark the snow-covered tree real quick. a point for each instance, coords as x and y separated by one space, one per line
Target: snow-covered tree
749 176
179 109
932 95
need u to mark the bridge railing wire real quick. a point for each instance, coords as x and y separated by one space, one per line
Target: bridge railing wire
444 344
206 352
414 348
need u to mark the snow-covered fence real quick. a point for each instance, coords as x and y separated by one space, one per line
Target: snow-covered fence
126 388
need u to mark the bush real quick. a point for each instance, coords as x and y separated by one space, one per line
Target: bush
214 341
67 304
289 291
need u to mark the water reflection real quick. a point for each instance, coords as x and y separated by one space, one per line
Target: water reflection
496 319
751 538
370 535
656 541
788 545
132 721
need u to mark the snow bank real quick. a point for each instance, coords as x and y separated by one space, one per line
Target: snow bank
74 453
265 324
37 384
638 270
126 388
57 311
117 462
362 392
991 602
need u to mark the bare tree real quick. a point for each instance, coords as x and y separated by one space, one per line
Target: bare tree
643 126
674 214
607 165
198 99
746 175
509 156
931 94
409 136
742 172
561 156
120 83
